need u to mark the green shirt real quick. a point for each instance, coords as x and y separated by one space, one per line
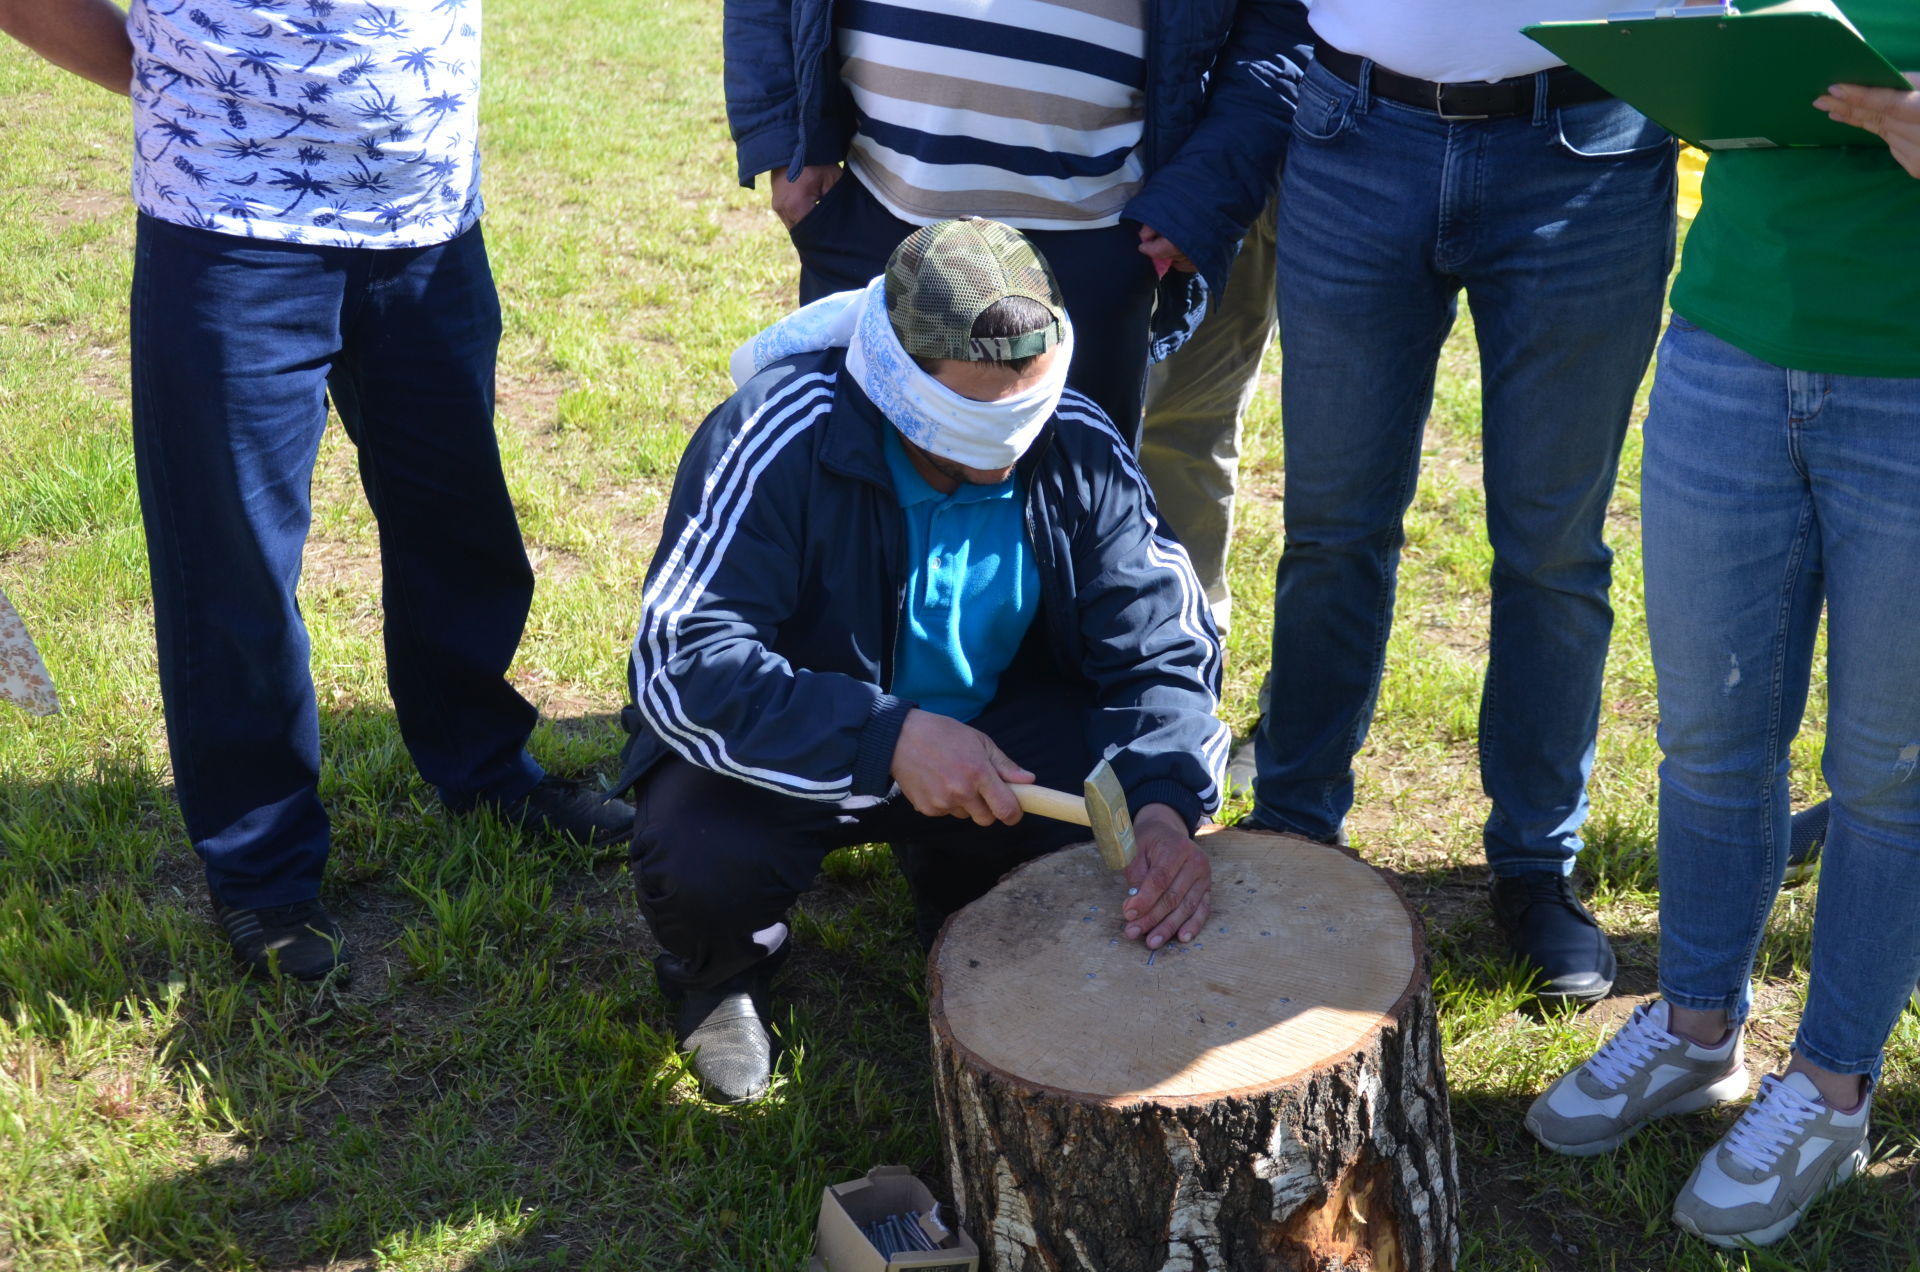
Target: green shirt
1810 259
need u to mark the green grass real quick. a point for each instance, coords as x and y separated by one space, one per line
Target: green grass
498 1088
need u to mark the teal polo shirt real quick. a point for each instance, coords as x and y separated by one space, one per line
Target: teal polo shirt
972 589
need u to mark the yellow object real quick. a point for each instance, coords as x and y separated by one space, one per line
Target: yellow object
1693 165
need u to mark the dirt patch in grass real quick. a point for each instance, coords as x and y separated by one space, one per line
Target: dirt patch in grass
529 401
71 207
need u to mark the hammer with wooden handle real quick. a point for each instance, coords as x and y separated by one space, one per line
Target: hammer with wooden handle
1102 809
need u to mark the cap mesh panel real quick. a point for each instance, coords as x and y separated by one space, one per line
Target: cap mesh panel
945 275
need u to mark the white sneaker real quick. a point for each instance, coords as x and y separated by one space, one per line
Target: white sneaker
1643 1072
1787 1149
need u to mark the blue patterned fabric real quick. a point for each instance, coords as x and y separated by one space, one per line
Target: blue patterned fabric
331 122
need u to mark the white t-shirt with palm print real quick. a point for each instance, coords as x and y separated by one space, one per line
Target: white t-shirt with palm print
332 122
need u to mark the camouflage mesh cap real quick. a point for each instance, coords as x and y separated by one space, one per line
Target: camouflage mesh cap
947 274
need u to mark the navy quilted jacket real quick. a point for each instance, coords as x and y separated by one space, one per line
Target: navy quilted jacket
1222 77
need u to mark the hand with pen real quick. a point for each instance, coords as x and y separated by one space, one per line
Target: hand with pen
1886 112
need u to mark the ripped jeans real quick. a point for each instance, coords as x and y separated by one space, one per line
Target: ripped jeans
1765 491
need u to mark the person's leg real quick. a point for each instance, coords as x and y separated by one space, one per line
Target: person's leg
1566 280
1363 313
1732 549
1732 570
1852 444
1862 457
1109 288
844 243
1190 442
716 859
231 341
414 388
717 864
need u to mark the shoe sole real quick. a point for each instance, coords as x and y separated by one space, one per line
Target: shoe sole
1583 997
1723 1091
1766 1236
1797 875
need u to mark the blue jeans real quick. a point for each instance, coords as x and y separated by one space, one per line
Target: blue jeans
236 346
1763 490
1559 226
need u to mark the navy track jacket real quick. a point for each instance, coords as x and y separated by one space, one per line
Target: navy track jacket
771 608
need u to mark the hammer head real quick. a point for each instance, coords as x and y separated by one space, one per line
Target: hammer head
1107 816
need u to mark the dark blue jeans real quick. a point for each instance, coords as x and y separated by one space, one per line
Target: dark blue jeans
1108 286
236 346
1559 226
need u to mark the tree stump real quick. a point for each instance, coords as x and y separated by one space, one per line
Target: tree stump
1270 1097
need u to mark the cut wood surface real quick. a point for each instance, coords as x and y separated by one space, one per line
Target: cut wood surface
1270 1096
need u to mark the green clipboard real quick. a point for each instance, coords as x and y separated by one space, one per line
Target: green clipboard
1730 81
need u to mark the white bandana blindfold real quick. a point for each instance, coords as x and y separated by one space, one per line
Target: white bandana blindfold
987 435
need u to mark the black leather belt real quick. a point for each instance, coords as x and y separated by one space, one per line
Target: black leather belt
1468 100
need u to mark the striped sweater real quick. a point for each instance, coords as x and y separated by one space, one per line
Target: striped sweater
1027 111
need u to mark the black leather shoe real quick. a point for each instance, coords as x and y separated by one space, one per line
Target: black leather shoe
1549 931
727 1038
562 806
301 940
724 1028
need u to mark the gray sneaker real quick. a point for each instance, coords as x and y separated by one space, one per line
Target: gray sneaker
1787 1149
1641 1073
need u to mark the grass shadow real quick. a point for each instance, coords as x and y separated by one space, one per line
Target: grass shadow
497 1087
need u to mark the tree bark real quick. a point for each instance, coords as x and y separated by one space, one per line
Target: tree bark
1271 1098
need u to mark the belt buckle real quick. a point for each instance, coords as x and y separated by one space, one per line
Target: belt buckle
1440 106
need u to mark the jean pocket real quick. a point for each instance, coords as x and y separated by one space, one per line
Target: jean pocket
1323 113
1609 129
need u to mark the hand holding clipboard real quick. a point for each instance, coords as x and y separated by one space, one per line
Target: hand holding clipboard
1887 113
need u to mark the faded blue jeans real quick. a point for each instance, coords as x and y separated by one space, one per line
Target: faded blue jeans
1559 227
1764 490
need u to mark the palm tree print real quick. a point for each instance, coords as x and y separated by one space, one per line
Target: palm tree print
419 60
381 24
317 100
303 181
440 105
323 38
364 179
261 63
243 149
452 9
236 206
378 108
302 118
174 131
